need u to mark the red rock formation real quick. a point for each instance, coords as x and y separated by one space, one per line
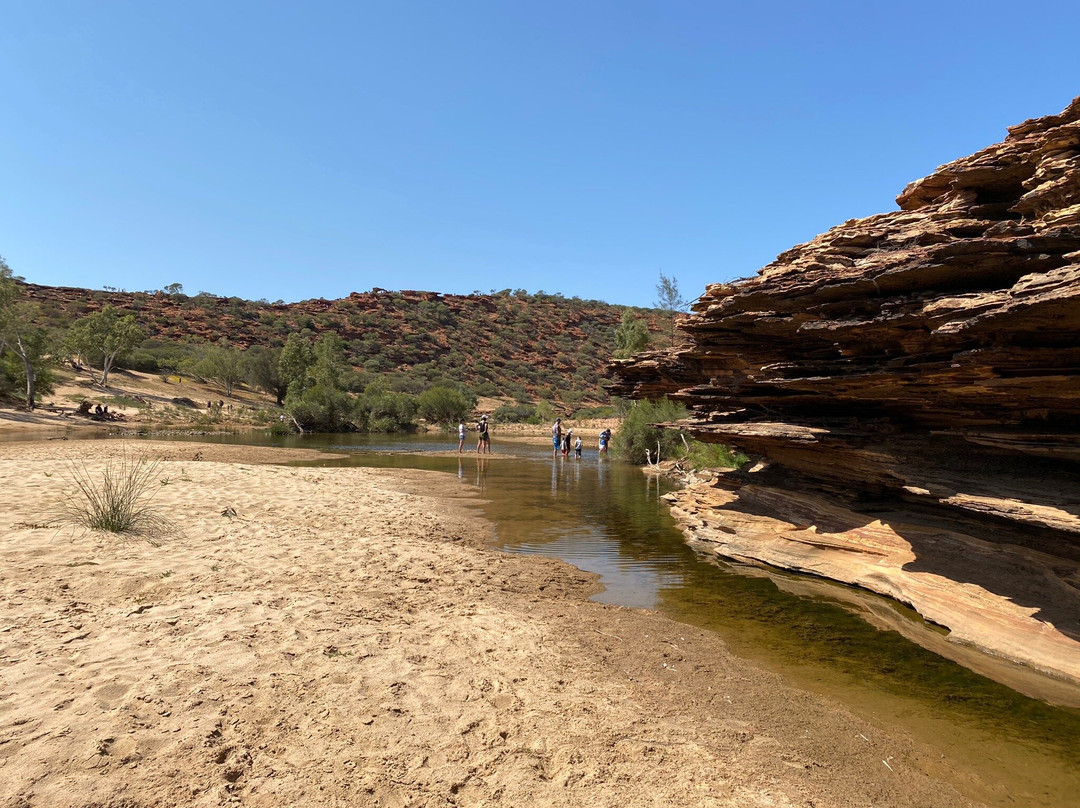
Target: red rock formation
919 372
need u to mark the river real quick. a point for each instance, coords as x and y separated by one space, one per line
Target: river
608 518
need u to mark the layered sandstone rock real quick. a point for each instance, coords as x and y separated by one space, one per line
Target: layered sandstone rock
913 380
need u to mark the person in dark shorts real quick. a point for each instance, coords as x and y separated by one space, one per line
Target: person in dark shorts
483 442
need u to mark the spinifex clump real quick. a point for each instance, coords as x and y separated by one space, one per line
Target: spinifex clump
118 499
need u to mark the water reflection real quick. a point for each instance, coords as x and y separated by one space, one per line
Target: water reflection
609 518
481 473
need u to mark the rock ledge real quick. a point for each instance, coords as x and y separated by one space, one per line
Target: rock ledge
911 380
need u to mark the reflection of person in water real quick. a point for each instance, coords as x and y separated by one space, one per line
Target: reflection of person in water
481 473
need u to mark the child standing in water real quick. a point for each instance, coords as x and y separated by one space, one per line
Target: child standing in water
460 435
577 447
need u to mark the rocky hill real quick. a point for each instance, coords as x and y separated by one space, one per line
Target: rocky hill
911 382
508 343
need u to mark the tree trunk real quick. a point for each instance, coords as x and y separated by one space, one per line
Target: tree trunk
31 377
31 380
106 366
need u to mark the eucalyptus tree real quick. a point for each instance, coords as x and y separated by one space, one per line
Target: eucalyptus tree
317 399
223 364
262 370
104 337
21 339
294 363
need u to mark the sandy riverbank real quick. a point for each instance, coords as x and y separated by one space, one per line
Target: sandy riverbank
347 639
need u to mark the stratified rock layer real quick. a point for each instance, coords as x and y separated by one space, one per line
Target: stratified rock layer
913 380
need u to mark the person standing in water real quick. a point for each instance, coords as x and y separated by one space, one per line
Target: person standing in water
556 436
483 443
577 447
566 442
460 435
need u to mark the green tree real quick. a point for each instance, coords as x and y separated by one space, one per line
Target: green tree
321 409
631 336
442 405
103 338
29 360
316 400
329 367
669 300
295 361
24 348
261 370
224 364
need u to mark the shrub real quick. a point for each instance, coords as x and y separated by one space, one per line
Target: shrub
631 336
714 456
321 409
517 414
442 405
381 410
638 435
601 411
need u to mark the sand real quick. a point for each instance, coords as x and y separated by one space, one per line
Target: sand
344 637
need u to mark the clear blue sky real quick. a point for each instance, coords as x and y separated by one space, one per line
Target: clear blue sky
309 149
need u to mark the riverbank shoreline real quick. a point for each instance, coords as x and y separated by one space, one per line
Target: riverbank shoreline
997 635
333 636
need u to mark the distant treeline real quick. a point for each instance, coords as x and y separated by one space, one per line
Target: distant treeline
525 346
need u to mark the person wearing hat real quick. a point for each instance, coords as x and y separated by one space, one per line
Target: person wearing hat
556 436
483 442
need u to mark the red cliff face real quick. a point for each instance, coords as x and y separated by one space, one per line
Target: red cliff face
918 369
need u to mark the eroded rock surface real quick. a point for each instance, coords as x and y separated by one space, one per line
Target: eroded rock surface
912 379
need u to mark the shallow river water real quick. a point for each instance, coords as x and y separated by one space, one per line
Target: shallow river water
608 518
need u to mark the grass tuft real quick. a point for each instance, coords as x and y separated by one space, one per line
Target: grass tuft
119 499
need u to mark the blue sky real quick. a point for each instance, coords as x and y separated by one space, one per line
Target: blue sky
297 150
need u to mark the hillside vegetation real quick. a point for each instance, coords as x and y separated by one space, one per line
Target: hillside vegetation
511 344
